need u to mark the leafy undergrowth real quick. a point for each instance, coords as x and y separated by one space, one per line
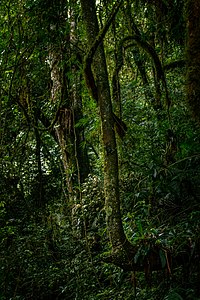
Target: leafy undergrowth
53 256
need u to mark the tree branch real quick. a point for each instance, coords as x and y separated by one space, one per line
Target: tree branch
89 77
150 50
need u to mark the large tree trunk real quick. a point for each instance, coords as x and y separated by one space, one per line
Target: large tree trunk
65 92
111 181
193 57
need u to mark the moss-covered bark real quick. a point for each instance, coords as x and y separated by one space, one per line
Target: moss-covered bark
69 137
193 57
111 181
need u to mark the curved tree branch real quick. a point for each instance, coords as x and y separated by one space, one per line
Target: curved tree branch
89 77
152 53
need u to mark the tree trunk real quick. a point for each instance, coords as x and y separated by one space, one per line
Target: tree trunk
67 95
193 57
111 181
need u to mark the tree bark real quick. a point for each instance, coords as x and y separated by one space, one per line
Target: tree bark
193 57
65 92
111 180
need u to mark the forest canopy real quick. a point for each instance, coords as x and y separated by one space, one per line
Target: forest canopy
99 149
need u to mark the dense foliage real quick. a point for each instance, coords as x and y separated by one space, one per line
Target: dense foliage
55 237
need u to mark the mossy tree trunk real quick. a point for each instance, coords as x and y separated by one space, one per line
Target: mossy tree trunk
66 93
193 57
111 181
